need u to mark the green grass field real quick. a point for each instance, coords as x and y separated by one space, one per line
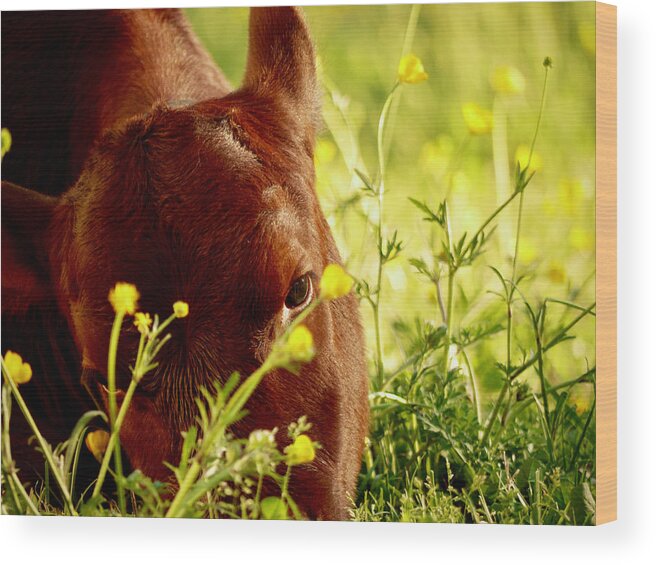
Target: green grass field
476 274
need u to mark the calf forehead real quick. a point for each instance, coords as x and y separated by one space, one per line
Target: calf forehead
238 238
285 225
260 235
227 181
281 210
194 154
225 138
191 188
236 216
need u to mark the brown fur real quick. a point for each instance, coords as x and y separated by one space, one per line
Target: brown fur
190 191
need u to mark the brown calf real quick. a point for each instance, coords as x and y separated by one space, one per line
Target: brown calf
146 167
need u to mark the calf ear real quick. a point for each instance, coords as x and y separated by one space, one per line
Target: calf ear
281 61
26 216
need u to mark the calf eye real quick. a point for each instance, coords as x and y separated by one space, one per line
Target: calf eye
299 293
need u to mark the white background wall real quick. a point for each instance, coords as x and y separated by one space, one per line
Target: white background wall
632 539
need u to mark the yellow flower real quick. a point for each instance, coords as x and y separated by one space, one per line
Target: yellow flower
335 282
97 442
527 251
507 80
411 70
571 195
588 36
181 309
324 152
556 273
6 142
435 155
478 120
300 345
581 239
124 297
301 451
18 371
580 399
143 321
522 155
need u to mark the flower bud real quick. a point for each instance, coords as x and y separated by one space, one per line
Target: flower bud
411 70
181 309
335 282
478 120
123 298
18 371
97 442
300 345
143 322
301 451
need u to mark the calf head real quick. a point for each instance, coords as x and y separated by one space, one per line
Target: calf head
214 204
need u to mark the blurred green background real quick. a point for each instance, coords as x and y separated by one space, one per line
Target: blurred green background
431 155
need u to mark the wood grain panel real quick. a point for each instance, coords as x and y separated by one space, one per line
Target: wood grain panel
606 283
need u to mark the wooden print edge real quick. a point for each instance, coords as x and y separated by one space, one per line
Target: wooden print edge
606 261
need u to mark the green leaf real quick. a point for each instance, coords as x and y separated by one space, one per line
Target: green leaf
430 215
583 503
77 438
273 508
369 185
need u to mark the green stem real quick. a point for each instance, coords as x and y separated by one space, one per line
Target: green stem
449 319
411 28
380 143
508 335
9 481
164 324
111 383
476 397
111 366
517 234
528 164
495 411
189 479
537 125
519 370
8 465
440 301
489 220
284 494
453 268
114 437
583 434
258 495
40 440
408 39
380 368
568 304
543 383
501 160
23 492
9 484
